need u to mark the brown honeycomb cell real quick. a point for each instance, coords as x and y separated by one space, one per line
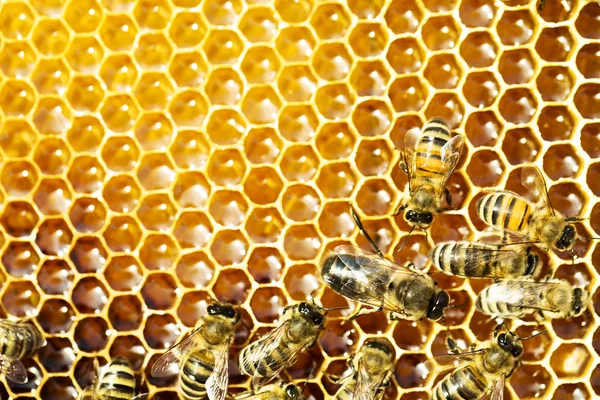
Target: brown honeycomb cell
157 154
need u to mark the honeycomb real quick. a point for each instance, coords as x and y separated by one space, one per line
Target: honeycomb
160 153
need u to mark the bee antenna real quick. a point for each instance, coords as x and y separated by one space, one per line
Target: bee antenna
335 308
407 236
362 230
457 305
534 335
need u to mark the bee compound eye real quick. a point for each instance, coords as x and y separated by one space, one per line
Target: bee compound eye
317 319
212 310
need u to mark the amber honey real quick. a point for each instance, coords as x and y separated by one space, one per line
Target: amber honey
157 154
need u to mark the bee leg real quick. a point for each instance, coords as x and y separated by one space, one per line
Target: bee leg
575 219
399 210
448 198
362 230
361 311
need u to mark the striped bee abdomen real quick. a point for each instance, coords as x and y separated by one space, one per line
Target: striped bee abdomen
196 370
19 341
118 382
428 158
463 384
504 211
487 304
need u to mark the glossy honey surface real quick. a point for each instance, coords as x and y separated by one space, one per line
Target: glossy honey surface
157 153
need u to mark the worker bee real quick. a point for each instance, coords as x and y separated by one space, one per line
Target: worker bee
203 356
371 369
19 340
516 298
277 391
117 382
429 158
482 371
268 356
480 260
536 222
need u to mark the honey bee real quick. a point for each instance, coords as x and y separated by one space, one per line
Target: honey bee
371 370
536 222
117 382
482 371
19 340
479 260
516 298
268 356
429 158
278 391
203 356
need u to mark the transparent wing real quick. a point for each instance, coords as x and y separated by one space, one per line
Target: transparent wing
87 394
411 139
523 294
481 253
368 259
366 386
533 180
453 361
15 370
450 154
142 396
216 384
167 364
498 392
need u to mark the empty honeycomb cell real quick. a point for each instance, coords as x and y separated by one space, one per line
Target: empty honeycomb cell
335 140
338 338
447 106
485 168
20 259
382 232
58 355
195 270
19 218
226 167
156 171
335 220
479 49
120 153
122 193
295 43
161 331
83 16
561 161
332 61
157 212
229 247
119 112
85 54
568 199
123 273
572 391
302 242
592 173
415 395
373 157
153 91
17 59
223 12
515 27
300 202
88 254
263 185
586 22
159 292
119 72
188 69
336 180
18 178
16 20
18 138
403 17
192 229
554 83
262 145
298 123
442 71
587 100
483 128
188 108
190 149
366 9
187 29
226 126
410 371
21 299
520 145
232 285
297 83
259 24
55 277
89 295
588 58
368 39
87 214
85 134
225 87
407 94
516 66
122 234
330 21
372 117
86 174
575 328
477 13
293 12
129 347
267 304
152 14
555 44
125 313
52 156
299 163
405 55
529 381
448 227
440 33
410 335
118 31
58 387
17 98
223 47
159 252
153 131
153 50
193 307
261 105
517 105
85 93
56 316
556 123
370 78
50 36
52 116
481 89
191 190
265 264
91 334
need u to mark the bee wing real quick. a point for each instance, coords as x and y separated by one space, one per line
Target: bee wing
498 391
483 253
534 182
142 396
367 385
411 139
165 365
450 154
87 394
453 361
374 258
524 294
15 370
216 384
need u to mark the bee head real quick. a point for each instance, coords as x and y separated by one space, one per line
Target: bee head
579 299
511 343
225 310
312 312
292 392
437 305
566 240
416 218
